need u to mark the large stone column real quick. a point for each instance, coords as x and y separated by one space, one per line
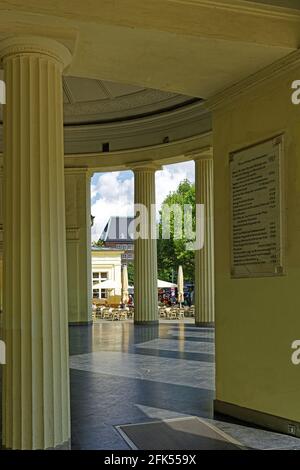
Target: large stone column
1 245
145 249
204 258
78 221
36 376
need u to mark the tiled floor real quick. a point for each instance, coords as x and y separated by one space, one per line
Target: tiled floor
122 374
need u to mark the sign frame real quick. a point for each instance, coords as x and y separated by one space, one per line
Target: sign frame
261 270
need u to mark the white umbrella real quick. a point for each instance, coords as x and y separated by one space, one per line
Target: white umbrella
162 285
125 295
180 285
108 284
165 284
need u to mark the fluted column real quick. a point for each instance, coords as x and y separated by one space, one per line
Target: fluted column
1 244
145 249
78 221
36 376
204 258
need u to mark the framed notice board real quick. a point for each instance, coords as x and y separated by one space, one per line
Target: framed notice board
256 187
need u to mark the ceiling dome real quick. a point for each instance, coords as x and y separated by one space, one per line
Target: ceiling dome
88 101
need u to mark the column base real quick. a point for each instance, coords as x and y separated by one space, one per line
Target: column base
147 323
205 324
258 418
65 446
81 323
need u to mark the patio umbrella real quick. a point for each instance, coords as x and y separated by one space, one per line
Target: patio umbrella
180 285
165 284
109 284
125 295
161 285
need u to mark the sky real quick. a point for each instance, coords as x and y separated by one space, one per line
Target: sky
112 193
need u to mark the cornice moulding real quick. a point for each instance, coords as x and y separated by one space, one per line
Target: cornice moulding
141 125
267 74
205 153
164 154
135 105
240 6
181 124
77 171
173 152
142 149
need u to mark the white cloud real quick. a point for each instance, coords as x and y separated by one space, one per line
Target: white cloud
112 193
110 197
170 177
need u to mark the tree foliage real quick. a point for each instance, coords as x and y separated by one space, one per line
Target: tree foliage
98 244
130 270
172 253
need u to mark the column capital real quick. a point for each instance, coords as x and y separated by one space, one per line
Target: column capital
205 153
23 45
147 166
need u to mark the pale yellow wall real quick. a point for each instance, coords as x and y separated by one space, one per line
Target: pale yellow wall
110 262
258 319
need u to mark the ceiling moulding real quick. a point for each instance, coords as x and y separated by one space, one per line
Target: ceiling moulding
133 106
184 122
201 153
265 75
132 127
248 7
77 171
166 154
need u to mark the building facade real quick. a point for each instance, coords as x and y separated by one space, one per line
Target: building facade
118 234
106 266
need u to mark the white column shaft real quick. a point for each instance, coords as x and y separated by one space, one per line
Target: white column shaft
145 253
1 245
204 258
36 376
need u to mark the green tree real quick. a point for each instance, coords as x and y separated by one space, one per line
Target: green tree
172 252
130 270
98 244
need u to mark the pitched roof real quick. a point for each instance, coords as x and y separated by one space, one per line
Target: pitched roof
117 230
